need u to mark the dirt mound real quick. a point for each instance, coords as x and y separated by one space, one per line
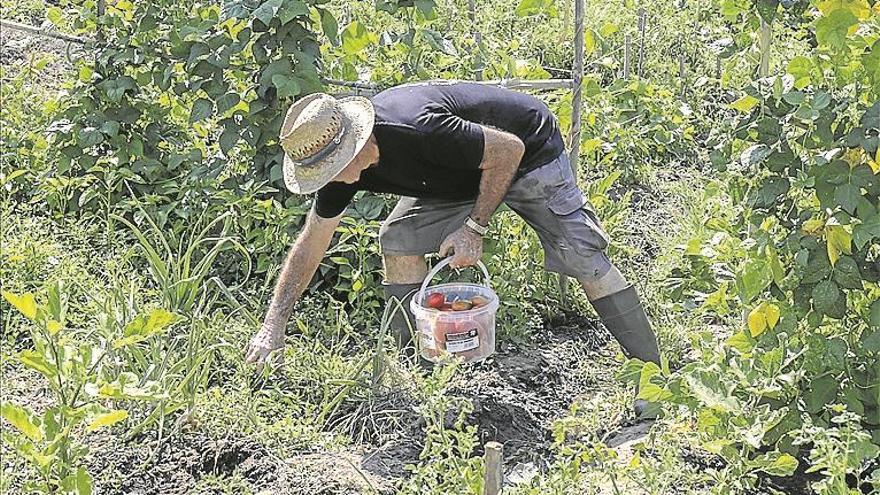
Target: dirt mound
519 392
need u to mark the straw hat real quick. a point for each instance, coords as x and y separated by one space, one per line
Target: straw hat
320 136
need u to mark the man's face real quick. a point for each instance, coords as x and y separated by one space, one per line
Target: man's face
368 156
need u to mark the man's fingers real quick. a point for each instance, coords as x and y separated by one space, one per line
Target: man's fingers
445 248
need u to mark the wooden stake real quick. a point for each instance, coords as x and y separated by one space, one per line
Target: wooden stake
764 38
626 55
682 75
494 475
577 75
643 21
478 37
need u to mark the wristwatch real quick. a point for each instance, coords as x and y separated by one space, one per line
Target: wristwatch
479 229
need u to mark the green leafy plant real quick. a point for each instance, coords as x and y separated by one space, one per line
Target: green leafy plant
75 374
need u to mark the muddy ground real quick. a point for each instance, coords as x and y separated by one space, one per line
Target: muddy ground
516 396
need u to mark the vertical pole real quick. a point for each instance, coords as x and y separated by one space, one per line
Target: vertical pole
627 56
494 475
100 30
642 22
718 67
682 75
577 78
764 38
577 75
478 37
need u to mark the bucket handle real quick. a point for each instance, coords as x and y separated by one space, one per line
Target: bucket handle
420 296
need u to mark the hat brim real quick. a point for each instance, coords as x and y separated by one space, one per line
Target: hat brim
358 117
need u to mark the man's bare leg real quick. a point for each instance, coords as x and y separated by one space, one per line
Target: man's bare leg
403 276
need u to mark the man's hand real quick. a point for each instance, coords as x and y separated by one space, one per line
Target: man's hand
466 245
265 342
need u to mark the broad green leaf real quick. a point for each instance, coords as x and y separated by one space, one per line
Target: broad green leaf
767 9
839 242
355 38
53 327
708 390
846 273
25 303
291 9
871 119
144 327
757 322
201 110
227 101
875 314
266 12
55 15
107 419
741 342
822 391
20 418
330 27
776 464
83 482
287 86
847 196
832 30
866 231
528 8
745 104
858 8
753 279
825 294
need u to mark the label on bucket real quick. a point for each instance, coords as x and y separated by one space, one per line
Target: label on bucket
463 341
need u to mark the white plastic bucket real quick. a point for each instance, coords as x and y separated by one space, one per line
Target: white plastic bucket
468 334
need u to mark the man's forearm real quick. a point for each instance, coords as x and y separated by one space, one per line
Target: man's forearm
501 158
299 266
493 186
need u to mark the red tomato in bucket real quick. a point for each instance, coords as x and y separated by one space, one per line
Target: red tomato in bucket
436 300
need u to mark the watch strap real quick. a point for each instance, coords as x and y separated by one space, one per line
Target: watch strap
479 229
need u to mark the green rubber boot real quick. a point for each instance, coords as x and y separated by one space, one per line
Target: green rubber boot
625 317
402 324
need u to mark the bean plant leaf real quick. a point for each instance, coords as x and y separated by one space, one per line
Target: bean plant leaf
767 9
776 464
330 26
291 9
832 30
864 232
201 110
745 104
25 303
107 419
825 294
266 12
287 87
839 242
846 273
144 327
355 38
22 420
874 318
871 119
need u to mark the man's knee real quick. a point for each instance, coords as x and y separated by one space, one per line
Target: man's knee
404 269
610 283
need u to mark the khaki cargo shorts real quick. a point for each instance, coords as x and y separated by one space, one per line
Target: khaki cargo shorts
547 198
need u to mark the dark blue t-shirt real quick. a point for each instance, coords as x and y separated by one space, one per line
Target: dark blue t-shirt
431 146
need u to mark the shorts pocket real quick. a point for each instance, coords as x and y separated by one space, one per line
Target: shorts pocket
578 226
567 200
